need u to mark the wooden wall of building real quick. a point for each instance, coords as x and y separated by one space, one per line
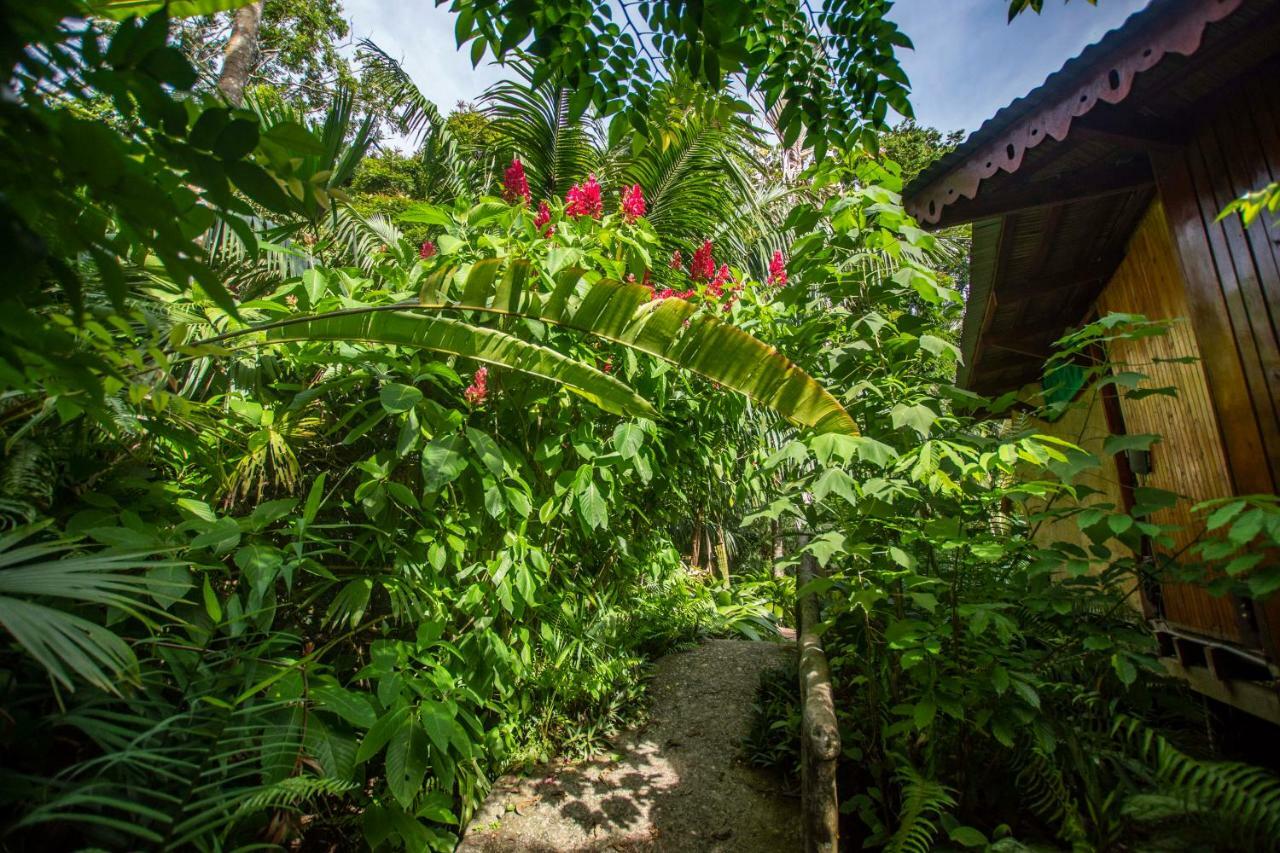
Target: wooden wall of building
1189 458
1232 279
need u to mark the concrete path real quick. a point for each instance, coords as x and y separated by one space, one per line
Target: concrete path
678 783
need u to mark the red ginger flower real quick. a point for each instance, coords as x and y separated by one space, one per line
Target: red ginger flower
427 249
778 270
542 220
515 186
584 199
677 261
478 390
633 206
703 266
723 277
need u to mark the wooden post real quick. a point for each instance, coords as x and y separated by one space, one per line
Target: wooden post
819 731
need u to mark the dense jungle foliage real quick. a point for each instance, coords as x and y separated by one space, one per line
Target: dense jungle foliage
338 480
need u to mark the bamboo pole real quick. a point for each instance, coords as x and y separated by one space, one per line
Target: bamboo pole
819 731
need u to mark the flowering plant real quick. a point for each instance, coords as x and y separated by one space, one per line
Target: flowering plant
584 199
515 185
633 204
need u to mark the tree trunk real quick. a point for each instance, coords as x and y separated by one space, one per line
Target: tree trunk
779 551
722 557
241 54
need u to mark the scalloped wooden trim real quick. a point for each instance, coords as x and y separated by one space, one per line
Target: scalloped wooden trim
1111 81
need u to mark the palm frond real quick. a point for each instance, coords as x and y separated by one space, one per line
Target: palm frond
66 644
556 150
416 114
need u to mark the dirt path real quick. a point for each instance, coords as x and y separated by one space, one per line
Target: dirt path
679 783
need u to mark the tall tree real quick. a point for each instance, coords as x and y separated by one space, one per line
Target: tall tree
241 53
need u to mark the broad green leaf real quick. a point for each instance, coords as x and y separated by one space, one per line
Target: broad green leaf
381 732
457 338
487 449
627 440
438 722
919 417
442 462
594 509
397 398
352 706
406 762
426 214
1120 443
967 836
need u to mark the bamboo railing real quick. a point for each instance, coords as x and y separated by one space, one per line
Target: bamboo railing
819 732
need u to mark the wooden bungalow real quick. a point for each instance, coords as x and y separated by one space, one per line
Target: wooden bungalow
1100 191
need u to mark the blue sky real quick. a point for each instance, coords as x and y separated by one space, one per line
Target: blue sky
967 61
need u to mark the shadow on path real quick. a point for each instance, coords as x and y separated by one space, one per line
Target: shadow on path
677 784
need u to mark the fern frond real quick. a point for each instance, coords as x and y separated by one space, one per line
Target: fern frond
1245 796
924 801
1044 789
293 792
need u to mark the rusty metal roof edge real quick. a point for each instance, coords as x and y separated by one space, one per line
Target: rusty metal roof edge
1075 71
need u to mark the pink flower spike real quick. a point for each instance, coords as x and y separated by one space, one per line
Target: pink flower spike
478 390
542 219
778 270
677 261
584 199
515 186
703 265
633 206
427 249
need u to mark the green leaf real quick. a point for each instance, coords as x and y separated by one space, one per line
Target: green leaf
967 836
314 497
1120 443
221 537
487 449
426 214
352 706
825 546
442 462
627 440
295 138
212 605
835 480
397 399
458 338
595 512
937 346
439 724
381 732
1124 668
406 762
1225 513
923 713
919 417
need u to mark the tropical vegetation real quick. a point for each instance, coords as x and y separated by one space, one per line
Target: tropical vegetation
338 480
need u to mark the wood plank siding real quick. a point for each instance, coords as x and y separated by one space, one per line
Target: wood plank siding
1232 278
1189 458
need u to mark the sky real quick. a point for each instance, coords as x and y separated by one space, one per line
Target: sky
967 61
